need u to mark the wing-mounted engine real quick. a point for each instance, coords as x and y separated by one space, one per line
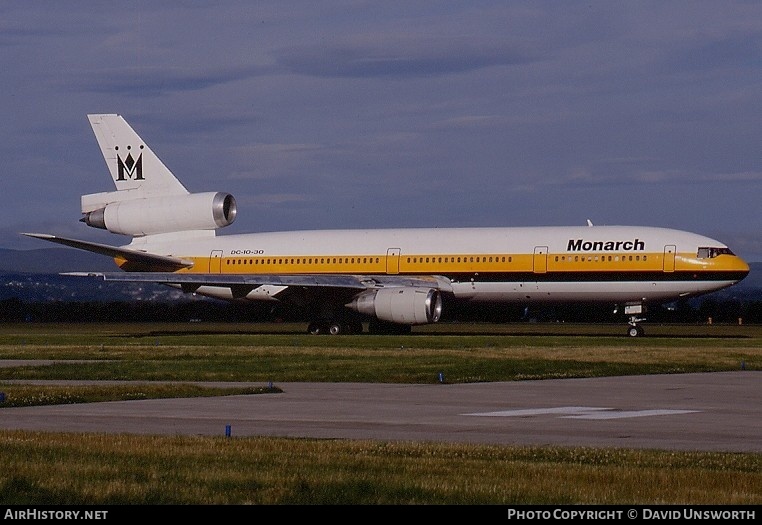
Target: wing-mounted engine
158 214
402 305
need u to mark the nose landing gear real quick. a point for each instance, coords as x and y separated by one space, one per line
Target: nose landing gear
633 310
635 330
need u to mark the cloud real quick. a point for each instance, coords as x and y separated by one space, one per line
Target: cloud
737 51
274 161
140 81
466 122
275 199
402 56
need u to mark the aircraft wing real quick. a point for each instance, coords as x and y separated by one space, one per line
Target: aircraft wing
296 288
190 281
133 256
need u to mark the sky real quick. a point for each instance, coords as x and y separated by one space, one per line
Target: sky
365 114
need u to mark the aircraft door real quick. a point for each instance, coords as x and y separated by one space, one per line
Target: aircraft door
669 257
215 261
540 259
393 261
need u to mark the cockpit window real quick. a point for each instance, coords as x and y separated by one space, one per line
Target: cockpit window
711 253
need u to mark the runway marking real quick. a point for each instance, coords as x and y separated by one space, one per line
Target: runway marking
582 413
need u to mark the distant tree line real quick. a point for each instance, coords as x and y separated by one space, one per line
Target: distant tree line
694 311
15 310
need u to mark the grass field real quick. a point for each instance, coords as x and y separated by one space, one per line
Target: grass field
42 468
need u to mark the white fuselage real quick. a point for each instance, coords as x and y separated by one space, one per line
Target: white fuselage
534 264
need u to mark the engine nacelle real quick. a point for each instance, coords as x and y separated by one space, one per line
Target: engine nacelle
405 305
152 215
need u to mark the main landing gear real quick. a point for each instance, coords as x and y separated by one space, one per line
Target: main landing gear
354 326
334 327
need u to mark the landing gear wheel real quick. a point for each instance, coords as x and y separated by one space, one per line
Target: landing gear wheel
316 328
634 311
339 327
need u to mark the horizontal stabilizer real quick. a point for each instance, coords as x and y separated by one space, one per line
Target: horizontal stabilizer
142 258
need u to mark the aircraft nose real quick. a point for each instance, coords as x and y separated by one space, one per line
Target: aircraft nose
742 268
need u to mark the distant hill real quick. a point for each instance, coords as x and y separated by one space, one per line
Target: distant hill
53 260
33 276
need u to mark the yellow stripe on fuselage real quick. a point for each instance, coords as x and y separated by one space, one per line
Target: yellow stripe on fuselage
440 264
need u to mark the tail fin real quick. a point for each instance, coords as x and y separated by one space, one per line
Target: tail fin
133 166
149 200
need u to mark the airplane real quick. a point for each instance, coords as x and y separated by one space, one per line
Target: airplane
392 278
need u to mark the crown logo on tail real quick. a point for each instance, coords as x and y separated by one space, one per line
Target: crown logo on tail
129 167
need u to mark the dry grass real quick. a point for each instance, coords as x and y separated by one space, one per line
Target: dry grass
44 468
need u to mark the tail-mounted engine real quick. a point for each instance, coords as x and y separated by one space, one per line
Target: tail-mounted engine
154 215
